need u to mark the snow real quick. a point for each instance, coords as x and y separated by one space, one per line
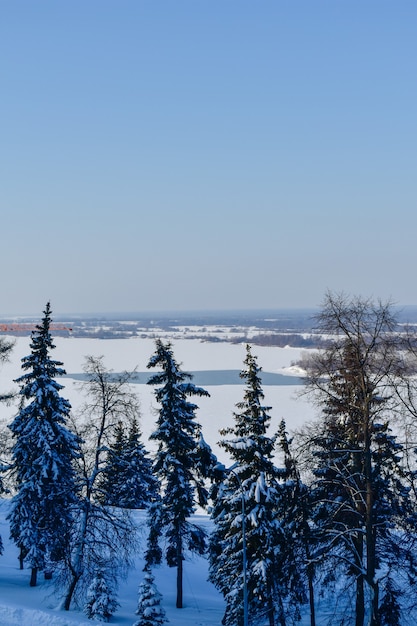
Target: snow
215 412
21 605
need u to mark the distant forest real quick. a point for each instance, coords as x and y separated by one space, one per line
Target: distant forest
282 327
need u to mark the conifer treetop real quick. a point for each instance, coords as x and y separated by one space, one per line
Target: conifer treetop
172 373
39 362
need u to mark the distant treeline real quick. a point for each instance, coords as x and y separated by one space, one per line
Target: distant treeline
293 340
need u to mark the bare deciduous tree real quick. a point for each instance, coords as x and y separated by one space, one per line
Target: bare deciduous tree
359 487
103 538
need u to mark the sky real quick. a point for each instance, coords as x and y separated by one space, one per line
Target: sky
192 155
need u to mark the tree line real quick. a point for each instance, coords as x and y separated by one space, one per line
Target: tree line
334 516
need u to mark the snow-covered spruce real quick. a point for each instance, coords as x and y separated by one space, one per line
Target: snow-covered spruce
127 480
101 601
181 462
43 455
271 566
150 610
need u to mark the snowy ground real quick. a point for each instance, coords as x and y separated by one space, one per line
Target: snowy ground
22 605
25 606
214 413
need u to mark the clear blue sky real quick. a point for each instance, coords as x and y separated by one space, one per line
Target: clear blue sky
159 155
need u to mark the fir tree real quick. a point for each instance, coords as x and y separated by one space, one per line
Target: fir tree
178 459
111 479
127 479
43 455
295 513
101 602
149 610
390 608
249 506
153 554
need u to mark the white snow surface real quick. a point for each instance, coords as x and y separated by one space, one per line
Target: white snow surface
214 413
21 605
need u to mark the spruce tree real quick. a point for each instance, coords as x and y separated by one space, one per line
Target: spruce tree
149 610
178 460
249 510
127 480
295 513
101 602
43 454
111 479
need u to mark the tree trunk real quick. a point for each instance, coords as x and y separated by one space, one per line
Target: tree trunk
179 572
375 607
311 595
370 537
281 612
360 595
33 577
270 610
309 569
70 593
21 557
76 564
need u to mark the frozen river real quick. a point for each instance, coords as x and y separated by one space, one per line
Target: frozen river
215 366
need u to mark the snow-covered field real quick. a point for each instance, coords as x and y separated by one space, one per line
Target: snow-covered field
214 413
25 606
21 605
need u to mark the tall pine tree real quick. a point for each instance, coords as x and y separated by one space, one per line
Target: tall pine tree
258 520
295 513
127 479
178 463
43 455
